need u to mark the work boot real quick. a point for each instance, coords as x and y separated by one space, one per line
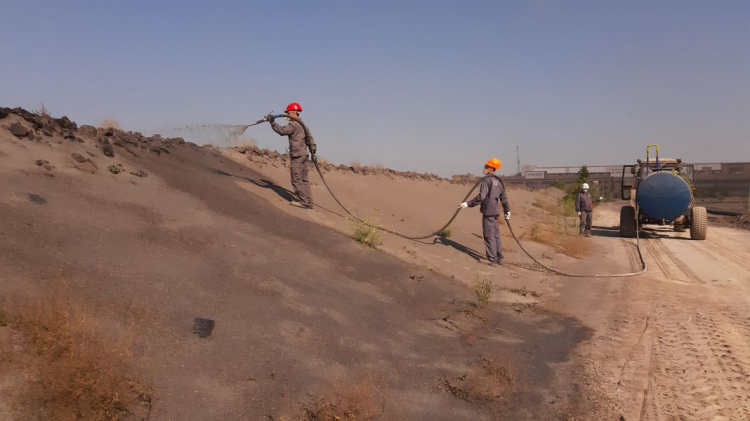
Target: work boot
493 264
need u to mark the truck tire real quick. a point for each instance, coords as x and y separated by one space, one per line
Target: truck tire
627 222
699 223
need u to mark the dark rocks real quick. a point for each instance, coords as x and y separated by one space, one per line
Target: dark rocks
47 132
69 134
107 149
28 116
88 131
31 135
79 158
39 162
203 327
139 173
39 200
4 112
65 123
18 130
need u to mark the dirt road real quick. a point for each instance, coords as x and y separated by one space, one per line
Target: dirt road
675 342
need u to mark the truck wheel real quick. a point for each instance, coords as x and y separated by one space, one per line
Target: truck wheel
627 222
699 225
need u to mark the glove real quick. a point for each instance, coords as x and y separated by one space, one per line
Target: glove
313 149
270 118
463 205
313 157
579 213
507 215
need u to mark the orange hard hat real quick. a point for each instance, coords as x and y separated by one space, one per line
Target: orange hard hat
494 163
294 107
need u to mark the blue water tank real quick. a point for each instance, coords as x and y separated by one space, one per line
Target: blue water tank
663 195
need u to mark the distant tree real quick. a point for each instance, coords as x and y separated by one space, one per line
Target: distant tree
583 175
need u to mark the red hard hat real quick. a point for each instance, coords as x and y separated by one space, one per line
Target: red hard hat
294 107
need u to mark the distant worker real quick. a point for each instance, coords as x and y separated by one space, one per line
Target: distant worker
585 210
491 191
298 146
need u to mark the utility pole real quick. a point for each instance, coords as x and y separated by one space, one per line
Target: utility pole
518 157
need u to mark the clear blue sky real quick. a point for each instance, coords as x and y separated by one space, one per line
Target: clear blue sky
438 86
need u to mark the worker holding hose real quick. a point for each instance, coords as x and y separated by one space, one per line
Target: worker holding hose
299 143
491 192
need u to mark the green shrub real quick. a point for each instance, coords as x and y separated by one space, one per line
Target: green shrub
114 169
367 233
483 290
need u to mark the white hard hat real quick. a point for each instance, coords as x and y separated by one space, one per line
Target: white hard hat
585 186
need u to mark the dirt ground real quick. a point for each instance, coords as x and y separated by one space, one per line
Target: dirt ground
305 316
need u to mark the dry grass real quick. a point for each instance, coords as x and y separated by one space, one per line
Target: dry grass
560 233
367 233
447 232
484 384
362 399
483 291
547 207
69 371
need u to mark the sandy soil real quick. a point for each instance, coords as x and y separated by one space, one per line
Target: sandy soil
300 307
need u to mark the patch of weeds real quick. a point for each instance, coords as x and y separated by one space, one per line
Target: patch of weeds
484 384
472 310
42 112
418 278
73 372
362 399
525 292
521 307
446 232
367 233
535 232
139 173
114 169
483 291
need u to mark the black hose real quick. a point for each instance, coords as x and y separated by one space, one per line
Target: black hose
455 214
723 212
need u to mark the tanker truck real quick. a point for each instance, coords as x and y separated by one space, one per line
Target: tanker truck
660 192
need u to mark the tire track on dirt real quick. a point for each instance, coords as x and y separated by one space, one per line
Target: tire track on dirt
699 367
722 253
670 264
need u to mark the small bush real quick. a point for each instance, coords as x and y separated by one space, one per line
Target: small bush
483 290
559 184
361 399
74 372
114 169
367 233
485 384
42 112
